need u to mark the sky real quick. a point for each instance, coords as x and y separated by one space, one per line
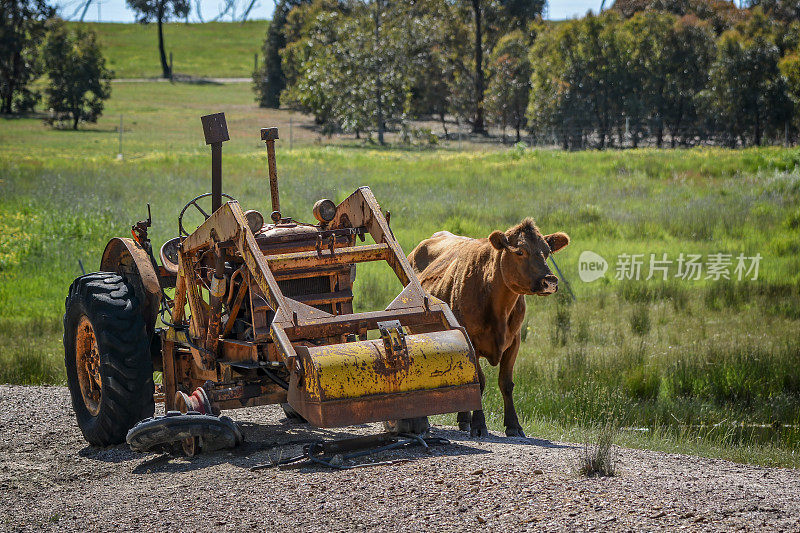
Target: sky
116 11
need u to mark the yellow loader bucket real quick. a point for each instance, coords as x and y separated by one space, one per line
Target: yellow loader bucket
397 376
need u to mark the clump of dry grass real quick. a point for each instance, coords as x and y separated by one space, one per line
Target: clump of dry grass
599 458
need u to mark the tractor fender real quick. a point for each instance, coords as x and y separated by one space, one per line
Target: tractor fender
130 260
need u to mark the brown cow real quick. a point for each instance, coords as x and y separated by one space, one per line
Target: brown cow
485 282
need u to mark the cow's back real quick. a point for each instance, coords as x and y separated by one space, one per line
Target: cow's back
434 248
446 265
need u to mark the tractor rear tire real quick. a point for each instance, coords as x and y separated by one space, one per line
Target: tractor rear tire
107 358
414 426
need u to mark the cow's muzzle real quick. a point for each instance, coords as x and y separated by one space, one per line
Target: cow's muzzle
546 285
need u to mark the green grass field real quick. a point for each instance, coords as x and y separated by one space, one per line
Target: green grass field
707 367
210 50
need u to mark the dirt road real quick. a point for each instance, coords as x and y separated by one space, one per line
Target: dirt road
50 479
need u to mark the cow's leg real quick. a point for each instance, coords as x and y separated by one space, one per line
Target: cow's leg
506 382
464 419
478 427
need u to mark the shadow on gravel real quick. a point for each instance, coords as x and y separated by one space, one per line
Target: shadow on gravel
113 454
267 443
453 434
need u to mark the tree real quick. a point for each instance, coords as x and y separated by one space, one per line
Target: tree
79 80
491 18
747 94
790 68
353 67
783 10
688 51
429 37
522 12
21 31
438 55
581 81
670 58
721 14
269 80
557 100
510 83
160 11
478 125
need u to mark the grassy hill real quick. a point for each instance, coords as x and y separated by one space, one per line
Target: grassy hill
213 49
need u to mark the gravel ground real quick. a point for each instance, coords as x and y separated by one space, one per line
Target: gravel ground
50 479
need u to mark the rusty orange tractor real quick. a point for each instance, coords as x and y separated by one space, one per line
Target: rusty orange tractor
244 313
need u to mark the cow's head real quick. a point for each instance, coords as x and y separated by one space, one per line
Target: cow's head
524 252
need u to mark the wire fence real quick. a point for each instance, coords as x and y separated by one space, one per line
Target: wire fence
577 138
622 134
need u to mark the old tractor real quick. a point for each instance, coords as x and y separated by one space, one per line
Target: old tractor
244 313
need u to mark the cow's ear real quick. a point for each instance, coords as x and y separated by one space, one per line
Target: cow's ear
499 240
557 241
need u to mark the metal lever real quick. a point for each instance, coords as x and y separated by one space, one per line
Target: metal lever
269 135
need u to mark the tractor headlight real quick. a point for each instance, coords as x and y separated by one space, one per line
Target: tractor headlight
324 210
255 220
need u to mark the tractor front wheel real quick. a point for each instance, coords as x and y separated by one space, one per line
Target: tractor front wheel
107 357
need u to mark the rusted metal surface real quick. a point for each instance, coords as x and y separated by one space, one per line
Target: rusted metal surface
198 315
198 402
237 305
244 393
362 209
396 357
168 382
87 363
386 406
341 256
233 350
215 129
354 369
269 135
216 295
276 396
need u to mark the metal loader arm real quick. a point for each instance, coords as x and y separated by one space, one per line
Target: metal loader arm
228 224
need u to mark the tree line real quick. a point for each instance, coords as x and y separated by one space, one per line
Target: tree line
665 72
360 65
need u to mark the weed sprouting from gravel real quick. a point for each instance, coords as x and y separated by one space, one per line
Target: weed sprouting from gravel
599 458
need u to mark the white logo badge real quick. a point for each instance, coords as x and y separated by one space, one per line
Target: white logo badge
591 266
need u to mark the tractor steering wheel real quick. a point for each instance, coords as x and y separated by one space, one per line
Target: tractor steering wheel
181 231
